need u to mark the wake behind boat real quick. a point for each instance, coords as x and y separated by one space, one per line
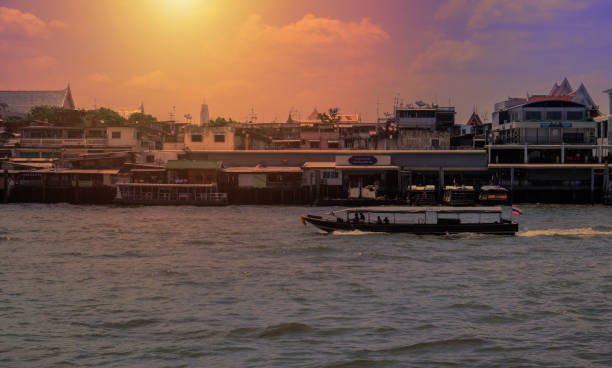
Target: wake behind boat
416 220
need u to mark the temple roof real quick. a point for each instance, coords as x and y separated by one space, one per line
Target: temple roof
21 102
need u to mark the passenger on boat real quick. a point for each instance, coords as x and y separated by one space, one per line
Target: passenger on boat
379 220
356 219
386 220
361 216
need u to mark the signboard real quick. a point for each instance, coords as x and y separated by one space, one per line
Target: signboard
363 160
556 124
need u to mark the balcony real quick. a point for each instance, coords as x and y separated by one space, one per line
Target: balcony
54 142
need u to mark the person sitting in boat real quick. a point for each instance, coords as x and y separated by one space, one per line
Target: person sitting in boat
361 216
338 219
356 219
386 220
379 220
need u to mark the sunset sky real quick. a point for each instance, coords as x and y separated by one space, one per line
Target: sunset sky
272 55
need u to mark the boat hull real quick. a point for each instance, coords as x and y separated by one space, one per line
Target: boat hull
503 228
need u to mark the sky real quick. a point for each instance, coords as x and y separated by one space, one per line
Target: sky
274 56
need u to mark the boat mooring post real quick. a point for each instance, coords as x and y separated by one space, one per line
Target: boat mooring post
511 184
6 186
592 185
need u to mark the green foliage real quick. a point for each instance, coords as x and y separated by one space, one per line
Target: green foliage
331 116
219 122
106 116
139 117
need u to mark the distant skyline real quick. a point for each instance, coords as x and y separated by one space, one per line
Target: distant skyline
274 55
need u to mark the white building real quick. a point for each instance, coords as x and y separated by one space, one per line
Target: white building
204 114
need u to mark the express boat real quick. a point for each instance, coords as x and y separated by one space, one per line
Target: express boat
416 220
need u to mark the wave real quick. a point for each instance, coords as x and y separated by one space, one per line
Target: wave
438 344
131 323
585 231
271 331
357 232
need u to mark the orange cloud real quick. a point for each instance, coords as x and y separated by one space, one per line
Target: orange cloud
151 80
17 23
98 78
42 62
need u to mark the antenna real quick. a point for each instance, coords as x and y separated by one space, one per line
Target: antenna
252 117
378 108
172 113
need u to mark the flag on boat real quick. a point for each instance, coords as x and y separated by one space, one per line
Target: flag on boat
516 211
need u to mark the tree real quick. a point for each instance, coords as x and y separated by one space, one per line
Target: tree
139 117
219 122
106 116
330 117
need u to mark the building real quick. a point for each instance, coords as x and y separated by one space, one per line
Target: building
561 127
204 114
562 116
424 116
209 138
19 103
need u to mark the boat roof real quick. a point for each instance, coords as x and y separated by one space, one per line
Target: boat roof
493 187
411 209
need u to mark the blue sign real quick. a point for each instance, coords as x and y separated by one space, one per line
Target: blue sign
362 160
564 124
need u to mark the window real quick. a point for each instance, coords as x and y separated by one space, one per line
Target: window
333 145
435 142
533 115
116 135
553 115
575 115
330 175
315 144
196 137
219 138
150 158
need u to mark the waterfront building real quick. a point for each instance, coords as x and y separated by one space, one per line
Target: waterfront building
424 116
562 116
19 103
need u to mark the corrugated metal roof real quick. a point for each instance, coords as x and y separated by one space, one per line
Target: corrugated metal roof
193 165
267 169
319 165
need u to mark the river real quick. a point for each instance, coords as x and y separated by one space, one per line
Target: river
250 286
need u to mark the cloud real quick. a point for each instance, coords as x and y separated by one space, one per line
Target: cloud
14 22
42 62
482 14
311 30
447 56
98 78
151 80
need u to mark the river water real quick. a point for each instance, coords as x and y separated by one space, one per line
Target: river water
250 286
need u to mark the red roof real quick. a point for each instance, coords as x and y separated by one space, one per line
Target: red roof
543 98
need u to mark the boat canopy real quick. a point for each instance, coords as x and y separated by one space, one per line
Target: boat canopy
493 188
408 209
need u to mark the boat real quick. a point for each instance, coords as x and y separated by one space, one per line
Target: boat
493 194
462 195
416 220
422 195
170 194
